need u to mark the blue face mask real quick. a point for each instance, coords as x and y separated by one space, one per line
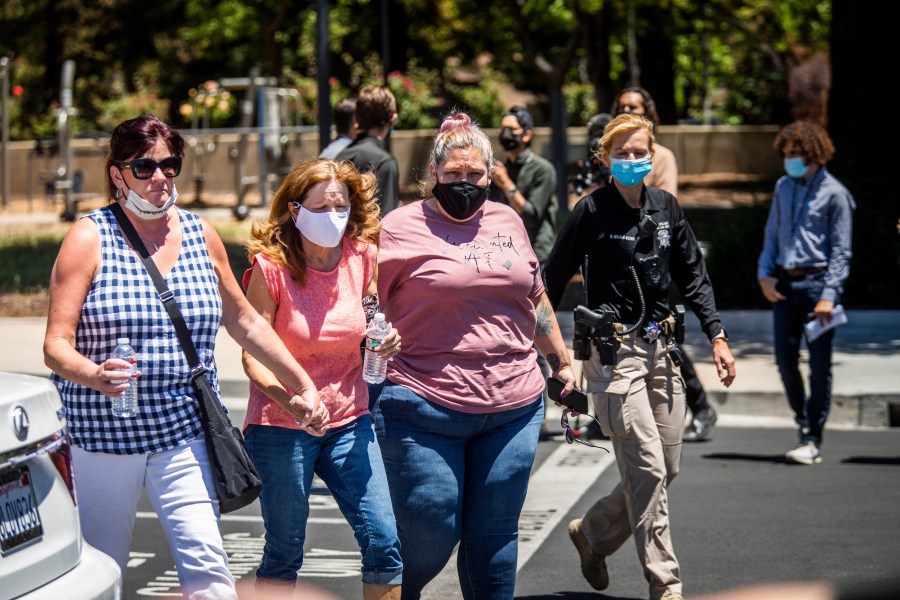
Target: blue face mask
630 172
795 167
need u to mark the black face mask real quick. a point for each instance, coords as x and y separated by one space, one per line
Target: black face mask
460 200
509 140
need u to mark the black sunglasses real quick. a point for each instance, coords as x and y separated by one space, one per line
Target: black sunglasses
570 435
144 168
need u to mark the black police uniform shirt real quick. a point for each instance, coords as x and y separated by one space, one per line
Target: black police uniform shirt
610 232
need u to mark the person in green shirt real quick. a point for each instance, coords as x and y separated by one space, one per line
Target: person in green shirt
526 181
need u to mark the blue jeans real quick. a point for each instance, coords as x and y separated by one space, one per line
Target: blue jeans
348 461
457 478
790 315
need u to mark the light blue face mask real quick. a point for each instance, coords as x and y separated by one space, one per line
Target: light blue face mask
630 172
794 167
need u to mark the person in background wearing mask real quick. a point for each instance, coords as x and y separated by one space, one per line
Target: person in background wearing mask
804 263
459 417
312 277
638 101
637 240
526 181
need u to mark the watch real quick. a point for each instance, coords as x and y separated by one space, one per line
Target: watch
722 335
511 191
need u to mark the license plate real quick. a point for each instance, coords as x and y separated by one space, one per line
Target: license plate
20 521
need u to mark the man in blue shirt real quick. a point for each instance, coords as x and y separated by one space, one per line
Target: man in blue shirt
802 268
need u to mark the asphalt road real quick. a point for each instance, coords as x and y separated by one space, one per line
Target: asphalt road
740 516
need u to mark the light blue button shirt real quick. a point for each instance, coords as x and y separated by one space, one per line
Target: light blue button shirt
810 224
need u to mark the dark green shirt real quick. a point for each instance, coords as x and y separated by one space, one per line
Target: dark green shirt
535 178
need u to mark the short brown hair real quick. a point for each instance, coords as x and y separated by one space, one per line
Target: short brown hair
375 106
811 138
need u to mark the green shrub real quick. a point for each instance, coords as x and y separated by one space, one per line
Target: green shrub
27 260
580 103
127 106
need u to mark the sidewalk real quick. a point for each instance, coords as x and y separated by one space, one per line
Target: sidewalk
866 366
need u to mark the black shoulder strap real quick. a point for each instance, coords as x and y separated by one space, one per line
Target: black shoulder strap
167 297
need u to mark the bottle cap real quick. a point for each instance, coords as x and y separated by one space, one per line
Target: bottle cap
123 340
379 316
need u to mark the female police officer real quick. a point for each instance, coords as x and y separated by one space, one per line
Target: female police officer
634 239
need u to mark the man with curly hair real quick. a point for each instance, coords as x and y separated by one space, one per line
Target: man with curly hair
802 268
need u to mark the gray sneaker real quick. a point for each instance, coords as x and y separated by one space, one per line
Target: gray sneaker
700 426
807 453
593 564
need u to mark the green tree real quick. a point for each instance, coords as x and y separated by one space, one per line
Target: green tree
702 59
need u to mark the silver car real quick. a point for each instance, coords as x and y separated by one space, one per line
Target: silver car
42 553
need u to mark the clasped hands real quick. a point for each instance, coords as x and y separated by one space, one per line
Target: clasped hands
305 404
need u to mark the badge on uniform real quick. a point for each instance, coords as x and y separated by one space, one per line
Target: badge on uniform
662 235
651 332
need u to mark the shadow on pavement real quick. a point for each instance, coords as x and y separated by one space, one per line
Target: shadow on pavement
772 458
873 460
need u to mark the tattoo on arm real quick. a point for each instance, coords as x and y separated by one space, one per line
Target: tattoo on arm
544 319
370 307
553 361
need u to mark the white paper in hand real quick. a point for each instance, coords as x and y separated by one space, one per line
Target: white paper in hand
814 329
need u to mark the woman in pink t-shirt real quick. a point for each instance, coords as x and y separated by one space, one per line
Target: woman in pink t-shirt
459 417
314 264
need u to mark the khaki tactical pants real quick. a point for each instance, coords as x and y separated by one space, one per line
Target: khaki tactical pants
640 405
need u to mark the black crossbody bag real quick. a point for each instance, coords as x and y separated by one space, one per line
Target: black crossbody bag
236 478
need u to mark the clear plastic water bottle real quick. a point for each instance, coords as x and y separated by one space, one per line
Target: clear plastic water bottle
126 404
375 364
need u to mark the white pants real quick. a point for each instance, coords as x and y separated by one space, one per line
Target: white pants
179 485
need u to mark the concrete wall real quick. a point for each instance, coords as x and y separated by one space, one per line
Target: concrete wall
700 149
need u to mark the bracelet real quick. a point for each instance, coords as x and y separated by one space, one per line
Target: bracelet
511 191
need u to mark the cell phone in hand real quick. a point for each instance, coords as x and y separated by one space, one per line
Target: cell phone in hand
576 400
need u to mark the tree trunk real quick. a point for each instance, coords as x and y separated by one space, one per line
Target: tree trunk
656 54
596 42
858 34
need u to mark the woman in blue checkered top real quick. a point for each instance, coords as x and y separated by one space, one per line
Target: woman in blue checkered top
100 291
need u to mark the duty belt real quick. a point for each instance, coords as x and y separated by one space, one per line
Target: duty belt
651 331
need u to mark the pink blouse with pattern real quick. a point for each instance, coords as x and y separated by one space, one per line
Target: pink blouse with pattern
322 324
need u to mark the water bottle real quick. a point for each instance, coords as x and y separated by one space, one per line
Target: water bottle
375 365
126 405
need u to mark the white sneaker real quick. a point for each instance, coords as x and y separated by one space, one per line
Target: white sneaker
806 453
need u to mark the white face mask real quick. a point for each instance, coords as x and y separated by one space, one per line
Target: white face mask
146 210
322 228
